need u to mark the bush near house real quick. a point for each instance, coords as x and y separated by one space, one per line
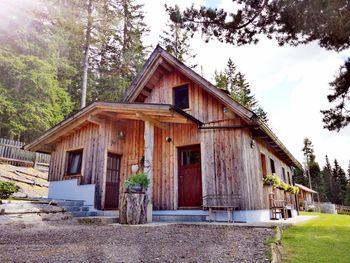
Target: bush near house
7 189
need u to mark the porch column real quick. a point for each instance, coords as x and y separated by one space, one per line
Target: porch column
149 145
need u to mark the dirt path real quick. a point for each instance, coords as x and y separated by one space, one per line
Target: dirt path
115 243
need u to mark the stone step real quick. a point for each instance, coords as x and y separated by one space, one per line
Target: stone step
84 208
68 202
71 208
97 220
79 213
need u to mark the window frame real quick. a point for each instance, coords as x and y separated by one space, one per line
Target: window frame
263 164
272 165
69 160
185 85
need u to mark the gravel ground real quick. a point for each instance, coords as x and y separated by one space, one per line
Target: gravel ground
69 242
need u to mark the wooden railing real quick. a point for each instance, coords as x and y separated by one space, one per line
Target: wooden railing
342 209
11 152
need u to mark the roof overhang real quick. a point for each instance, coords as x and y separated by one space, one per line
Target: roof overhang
160 114
306 189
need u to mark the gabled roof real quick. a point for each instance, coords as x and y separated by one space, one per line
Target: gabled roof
158 57
161 57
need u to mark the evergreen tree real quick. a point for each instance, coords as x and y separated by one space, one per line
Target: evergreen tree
328 182
299 177
339 183
176 40
234 83
347 195
289 22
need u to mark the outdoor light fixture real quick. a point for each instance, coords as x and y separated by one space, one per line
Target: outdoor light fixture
252 143
168 139
121 135
134 168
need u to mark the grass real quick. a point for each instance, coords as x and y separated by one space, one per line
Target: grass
324 239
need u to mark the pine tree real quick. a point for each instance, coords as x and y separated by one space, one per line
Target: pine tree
234 83
339 183
347 195
299 177
328 182
176 40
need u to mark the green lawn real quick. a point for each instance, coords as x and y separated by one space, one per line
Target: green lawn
324 239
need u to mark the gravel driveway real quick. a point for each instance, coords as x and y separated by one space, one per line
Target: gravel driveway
48 242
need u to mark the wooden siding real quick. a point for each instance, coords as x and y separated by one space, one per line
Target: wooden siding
228 162
203 106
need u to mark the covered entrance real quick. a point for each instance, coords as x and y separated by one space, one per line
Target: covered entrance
190 177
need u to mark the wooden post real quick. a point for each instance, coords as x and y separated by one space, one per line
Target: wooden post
35 165
149 145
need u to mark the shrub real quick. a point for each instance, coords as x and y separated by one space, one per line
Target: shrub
137 179
7 189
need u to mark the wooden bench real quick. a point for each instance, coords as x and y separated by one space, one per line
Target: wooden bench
278 207
215 203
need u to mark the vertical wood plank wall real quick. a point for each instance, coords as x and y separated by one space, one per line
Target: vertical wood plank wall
229 163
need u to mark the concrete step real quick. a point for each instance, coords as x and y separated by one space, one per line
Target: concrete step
97 220
179 216
84 208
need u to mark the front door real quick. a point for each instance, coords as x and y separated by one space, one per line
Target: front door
190 178
112 181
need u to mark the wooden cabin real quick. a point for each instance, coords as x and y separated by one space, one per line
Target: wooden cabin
192 138
305 196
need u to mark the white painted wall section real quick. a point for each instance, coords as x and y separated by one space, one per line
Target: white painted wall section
70 190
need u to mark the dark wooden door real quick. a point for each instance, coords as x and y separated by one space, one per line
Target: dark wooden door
112 181
190 178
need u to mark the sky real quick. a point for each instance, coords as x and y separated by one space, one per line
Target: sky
290 83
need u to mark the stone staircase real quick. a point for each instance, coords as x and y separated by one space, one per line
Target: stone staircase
76 208
87 214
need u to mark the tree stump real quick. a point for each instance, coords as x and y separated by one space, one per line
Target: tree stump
133 209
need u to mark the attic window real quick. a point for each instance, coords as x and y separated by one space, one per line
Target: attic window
180 95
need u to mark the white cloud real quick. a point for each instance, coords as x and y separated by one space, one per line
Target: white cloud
291 83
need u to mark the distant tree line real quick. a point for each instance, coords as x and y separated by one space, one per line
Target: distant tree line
331 182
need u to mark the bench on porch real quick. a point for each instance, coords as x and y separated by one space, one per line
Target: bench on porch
216 203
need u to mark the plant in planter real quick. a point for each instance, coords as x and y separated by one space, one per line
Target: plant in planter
7 189
137 183
292 189
271 180
282 186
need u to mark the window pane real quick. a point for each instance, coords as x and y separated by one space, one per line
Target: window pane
263 164
181 97
74 162
191 157
272 166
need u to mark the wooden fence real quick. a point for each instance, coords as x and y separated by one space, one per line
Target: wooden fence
11 152
342 209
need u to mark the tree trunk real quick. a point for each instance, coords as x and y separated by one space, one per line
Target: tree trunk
86 54
133 209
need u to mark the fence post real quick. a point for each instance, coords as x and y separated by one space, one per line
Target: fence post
36 160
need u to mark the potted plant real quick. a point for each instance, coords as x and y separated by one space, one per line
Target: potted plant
137 183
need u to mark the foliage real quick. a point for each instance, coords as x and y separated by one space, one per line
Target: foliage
235 84
137 179
7 189
176 40
347 195
271 179
292 189
339 116
289 22
274 181
325 238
